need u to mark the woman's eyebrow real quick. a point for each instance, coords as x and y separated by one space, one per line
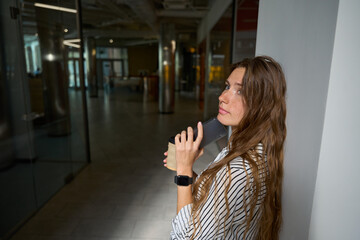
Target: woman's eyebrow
239 84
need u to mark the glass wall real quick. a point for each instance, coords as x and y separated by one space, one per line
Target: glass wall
112 65
43 143
245 29
219 60
229 41
74 69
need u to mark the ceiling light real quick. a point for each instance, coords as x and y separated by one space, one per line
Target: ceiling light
66 30
111 41
53 7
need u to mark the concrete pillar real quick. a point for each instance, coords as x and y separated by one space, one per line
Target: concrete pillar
167 47
91 66
178 67
55 79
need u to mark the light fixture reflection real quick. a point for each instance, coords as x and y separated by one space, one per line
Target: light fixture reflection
53 7
173 45
50 57
71 45
71 42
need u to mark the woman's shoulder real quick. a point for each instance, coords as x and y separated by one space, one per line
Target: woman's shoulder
244 164
238 163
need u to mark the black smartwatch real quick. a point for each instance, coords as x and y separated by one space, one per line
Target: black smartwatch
182 180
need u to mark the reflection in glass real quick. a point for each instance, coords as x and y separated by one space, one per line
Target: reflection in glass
72 75
41 109
246 27
112 66
16 153
219 57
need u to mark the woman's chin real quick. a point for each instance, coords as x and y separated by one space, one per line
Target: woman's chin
221 119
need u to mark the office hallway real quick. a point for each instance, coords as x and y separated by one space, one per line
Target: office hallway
125 193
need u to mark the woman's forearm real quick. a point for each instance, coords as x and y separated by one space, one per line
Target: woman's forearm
184 193
187 151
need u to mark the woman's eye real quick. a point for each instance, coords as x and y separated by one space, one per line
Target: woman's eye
239 92
227 87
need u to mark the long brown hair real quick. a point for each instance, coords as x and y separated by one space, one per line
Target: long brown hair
263 123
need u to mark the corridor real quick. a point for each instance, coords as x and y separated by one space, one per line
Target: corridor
125 193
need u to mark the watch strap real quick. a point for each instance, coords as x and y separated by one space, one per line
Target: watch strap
183 180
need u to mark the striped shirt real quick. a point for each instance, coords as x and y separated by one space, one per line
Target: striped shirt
212 216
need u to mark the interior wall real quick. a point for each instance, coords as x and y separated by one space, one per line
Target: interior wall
336 212
143 58
300 35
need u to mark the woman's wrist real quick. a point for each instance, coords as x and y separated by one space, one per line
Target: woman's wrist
184 171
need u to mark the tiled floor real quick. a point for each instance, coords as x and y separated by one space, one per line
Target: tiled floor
125 193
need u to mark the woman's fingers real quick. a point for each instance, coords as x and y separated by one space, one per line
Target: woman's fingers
177 139
165 153
187 137
200 133
183 137
190 135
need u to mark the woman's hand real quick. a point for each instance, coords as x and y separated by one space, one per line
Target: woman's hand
187 150
165 160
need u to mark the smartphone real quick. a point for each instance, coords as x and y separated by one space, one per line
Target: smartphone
213 130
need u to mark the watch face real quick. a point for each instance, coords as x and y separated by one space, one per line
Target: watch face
183 181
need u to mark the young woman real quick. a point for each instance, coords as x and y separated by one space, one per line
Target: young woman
239 195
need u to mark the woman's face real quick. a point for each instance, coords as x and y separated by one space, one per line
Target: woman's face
231 101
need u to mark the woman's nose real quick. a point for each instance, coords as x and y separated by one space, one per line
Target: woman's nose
223 97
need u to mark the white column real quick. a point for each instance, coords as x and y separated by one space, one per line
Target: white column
336 208
300 35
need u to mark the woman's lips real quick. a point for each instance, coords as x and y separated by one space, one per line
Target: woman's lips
222 111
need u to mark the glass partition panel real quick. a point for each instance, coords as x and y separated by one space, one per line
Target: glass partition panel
18 199
219 61
72 74
42 135
245 30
